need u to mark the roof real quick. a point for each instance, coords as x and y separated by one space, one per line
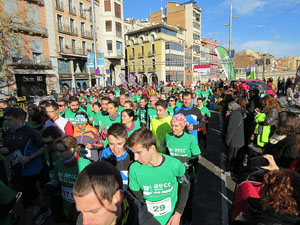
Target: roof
152 27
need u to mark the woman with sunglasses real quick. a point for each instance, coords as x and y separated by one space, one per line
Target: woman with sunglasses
172 105
67 167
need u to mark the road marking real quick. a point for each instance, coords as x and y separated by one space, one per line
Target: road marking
224 203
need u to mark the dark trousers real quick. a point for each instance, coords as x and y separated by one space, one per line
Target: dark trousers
233 158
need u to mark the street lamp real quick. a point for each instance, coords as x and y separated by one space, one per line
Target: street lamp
230 28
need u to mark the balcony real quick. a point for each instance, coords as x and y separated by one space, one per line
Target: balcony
72 10
87 35
82 14
67 50
59 5
152 53
31 29
39 2
26 62
67 29
141 55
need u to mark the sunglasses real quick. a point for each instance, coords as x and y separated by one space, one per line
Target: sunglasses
171 100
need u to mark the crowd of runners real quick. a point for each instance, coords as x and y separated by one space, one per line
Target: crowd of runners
130 156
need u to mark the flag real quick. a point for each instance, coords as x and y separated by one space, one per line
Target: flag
226 62
123 79
297 77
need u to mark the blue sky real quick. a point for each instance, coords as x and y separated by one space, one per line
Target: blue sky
267 26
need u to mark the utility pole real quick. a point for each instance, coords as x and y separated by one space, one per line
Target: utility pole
94 40
230 28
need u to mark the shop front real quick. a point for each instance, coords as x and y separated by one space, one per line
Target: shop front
31 85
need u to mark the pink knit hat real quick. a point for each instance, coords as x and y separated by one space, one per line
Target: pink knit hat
180 118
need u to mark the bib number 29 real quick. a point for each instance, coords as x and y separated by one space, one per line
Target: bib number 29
160 208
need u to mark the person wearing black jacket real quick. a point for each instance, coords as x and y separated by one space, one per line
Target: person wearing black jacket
100 199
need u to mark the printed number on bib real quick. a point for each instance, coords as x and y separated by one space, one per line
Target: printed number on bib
160 208
67 194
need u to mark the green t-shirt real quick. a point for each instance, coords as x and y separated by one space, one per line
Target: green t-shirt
159 186
198 93
120 109
66 177
50 156
151 114
178 104
171 111
89 111
69 115
108 122
117 92
204 111
182 147
160 127
143 114
138 98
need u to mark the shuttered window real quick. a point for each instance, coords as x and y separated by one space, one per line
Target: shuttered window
107 6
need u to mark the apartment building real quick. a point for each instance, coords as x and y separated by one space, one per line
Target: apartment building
70 28
110 35
156 54
188 16
288 63
209 55
29 66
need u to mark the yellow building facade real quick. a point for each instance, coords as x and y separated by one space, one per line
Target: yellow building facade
155 54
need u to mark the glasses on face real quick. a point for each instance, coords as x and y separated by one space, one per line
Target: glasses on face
171 100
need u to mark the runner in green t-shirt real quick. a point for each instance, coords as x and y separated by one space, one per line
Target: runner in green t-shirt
161 125
138 96
129 121
157 179
74 108
66 169
113 117
172 105
143 111
151 108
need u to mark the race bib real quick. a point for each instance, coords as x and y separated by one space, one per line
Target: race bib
67 194
160 208
14 157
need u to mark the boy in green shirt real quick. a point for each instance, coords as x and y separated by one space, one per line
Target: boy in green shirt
161 125
157 179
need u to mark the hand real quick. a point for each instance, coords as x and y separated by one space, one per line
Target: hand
191 127
175 219
89 146
257 110
24 159
4 150
103 129
272 164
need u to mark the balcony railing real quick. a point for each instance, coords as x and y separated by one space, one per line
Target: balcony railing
87 34
34 29
67 29
82 14
39 2
28 62
72 10
73 51
59 5
152 53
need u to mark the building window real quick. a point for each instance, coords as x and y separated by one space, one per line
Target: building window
118 30
109 45
11 7
118 10
82 28
153 48
59 22
108 25
83 48
107 6
73 46
132 52
72 25
93 47
153 64
36 57
142 47
63 66
61 44
119 48
143 66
